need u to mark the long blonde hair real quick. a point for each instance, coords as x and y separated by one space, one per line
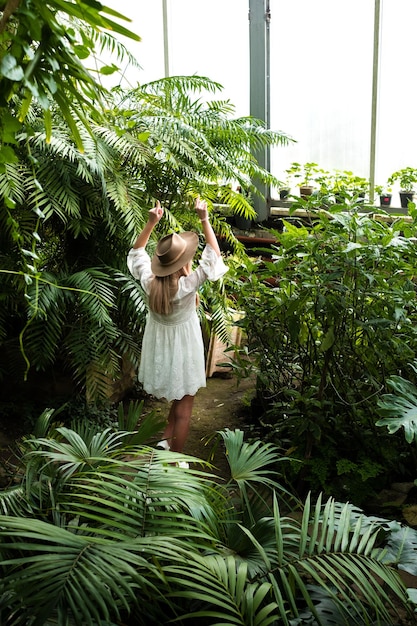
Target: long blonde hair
162 290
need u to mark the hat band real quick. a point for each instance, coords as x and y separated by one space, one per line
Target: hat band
166 258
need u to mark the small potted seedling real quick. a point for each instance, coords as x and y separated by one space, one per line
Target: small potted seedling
385 195
358 185
307 173
284 188
406 178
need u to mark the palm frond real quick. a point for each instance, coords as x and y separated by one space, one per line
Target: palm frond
139 428
249 462
12 181
93 578
222 590
340 558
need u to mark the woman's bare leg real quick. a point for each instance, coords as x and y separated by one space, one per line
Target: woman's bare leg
179 417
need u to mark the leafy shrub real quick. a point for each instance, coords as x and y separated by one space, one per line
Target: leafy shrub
329 317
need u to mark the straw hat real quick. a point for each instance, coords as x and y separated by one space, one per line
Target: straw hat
173 252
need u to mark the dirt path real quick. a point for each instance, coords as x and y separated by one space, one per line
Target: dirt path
222 404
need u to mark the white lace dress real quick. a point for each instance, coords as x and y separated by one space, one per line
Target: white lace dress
172 360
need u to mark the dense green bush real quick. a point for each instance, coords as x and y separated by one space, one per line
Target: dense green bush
329 318
68 218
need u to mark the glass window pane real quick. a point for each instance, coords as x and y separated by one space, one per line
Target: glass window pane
321 82
205 38
397 128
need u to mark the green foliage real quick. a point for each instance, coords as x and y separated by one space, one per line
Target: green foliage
67 219
307 172
329 319
77 181
198 145
407 177
42 49
399 408
99 529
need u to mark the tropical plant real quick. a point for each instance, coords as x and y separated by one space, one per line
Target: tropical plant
101 528
198 146
79 310
67 219
406 177
42 48
329 319
398 409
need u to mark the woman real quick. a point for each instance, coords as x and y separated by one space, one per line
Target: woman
172 362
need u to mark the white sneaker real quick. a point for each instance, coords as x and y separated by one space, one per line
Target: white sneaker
183 465
163 444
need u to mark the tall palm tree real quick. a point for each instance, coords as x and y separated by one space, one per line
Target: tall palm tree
67 219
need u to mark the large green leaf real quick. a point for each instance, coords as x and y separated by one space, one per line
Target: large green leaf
46 568
399 409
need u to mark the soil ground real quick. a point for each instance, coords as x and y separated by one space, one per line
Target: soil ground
222 404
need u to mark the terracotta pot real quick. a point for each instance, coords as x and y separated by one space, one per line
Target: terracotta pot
306 191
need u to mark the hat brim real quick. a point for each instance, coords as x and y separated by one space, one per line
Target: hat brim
191 241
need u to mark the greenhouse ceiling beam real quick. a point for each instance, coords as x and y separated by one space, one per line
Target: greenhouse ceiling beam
259 62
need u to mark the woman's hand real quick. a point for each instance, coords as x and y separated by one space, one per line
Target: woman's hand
154 216
201 209
156 213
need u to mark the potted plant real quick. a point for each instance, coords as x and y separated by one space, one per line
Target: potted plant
284 188
358 185
406 177
344 186
385 195
308 173
351 184
339 184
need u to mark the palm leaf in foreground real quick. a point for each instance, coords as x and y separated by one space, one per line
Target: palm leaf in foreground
340 556
93 577
223 592
104 532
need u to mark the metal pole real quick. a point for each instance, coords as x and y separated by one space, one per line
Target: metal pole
166 43
374 111
258 23
268 83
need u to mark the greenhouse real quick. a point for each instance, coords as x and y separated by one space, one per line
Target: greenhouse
208 364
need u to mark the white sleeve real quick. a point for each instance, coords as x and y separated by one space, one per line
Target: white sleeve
139 265
212 264
211 267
